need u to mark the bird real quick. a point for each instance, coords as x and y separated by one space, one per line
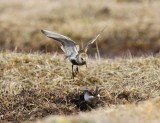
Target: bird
72 51
92 96
88 96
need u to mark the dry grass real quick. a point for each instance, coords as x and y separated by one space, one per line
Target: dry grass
130 25
36 85
146 112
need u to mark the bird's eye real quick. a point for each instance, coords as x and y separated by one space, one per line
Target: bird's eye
82 59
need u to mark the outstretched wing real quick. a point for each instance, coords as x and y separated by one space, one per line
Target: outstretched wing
68 45
93 40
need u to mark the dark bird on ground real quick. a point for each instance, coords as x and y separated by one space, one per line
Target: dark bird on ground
92 96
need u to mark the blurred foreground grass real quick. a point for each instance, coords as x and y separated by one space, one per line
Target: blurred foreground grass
146 112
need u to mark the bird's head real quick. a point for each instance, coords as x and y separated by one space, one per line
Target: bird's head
82 57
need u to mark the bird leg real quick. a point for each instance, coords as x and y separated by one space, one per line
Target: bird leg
72 72
77 70
86 65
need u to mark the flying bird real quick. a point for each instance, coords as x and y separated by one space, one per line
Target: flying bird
71 49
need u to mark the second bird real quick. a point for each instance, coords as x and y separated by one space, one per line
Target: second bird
71 49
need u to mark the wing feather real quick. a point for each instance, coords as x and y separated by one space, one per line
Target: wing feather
93 40
68 45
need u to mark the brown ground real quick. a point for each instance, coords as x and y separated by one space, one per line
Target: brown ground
37 85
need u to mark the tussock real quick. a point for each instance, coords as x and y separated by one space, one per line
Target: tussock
146 112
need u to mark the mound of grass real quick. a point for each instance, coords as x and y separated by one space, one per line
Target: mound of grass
146 112
36 85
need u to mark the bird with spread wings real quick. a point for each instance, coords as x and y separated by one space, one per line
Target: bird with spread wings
71 49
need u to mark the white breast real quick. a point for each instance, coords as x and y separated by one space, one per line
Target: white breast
88 97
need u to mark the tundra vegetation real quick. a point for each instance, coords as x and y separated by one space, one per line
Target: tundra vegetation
35 80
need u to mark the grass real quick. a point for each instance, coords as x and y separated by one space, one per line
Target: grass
37 85
146 112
